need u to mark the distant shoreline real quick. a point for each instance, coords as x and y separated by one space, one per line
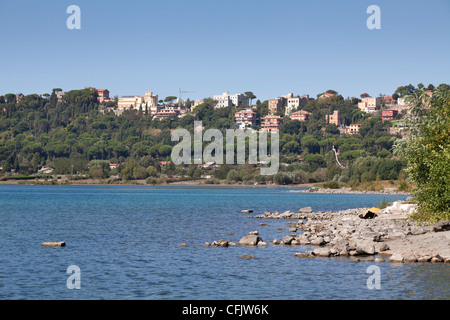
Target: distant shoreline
308 188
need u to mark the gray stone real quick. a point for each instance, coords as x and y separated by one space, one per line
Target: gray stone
442 225
301 255
383 247
306 210
437 258
222 243
424 259
249 240
410 258
322 252
341 245
365 247
396 258
319 241
288 239
371 236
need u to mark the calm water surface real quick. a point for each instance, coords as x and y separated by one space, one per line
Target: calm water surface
124 240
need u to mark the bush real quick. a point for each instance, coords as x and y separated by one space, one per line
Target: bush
331 185
282 178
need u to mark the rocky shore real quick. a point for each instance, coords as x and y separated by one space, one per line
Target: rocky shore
388 191
367 232
355 233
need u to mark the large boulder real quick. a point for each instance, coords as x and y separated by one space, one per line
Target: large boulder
396 257
442 225
319 241
364 247
249 240
288 239
322 252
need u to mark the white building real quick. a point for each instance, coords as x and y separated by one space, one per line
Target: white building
295 102
229 100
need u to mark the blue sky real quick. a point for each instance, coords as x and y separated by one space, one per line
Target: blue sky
209 46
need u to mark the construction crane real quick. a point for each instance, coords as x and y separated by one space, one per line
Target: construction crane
181 96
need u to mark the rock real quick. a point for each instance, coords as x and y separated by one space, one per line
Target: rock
254 233
322 252
341 246
249 240
247 211
396 258
371 236
424 259
365 247
442 225
54 244
383 247
275 242
319 241
295 243
379 260
262 244
246 256
182 245
415 230
222 243
305 210
232 244
410 258
207 244
301 255
288 239
293 230
437 258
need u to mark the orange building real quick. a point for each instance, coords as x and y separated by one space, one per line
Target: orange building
334 118
275 105
271 122
246 118
387 115
301 115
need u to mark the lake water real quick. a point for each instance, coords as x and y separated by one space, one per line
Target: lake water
125 242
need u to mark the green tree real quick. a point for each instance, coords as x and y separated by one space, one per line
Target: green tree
427 152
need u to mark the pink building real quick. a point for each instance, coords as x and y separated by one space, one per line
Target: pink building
333 118
246 118
387 115
301 115
271 122
275 105
103 96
